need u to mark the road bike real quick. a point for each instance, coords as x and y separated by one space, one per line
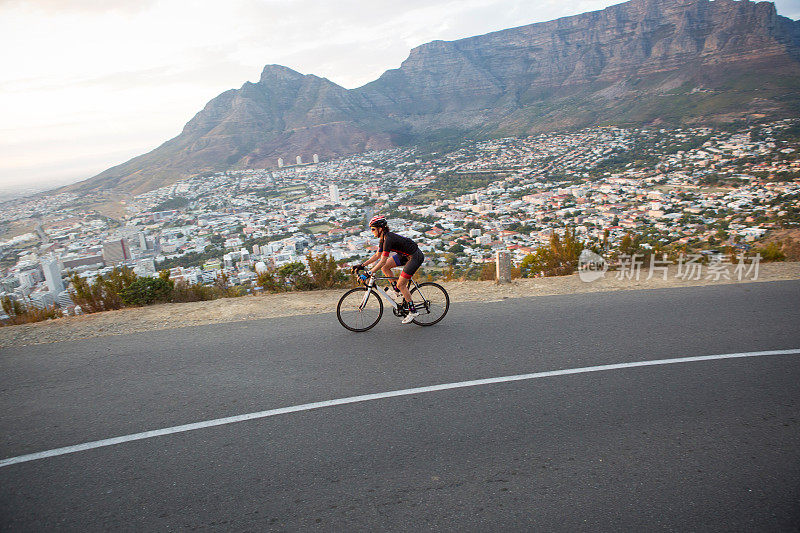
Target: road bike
361 308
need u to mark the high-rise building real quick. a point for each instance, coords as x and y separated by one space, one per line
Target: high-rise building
334 190
52 275
280 162
116 251
316 158
299 160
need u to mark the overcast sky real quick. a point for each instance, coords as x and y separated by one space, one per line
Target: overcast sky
88 84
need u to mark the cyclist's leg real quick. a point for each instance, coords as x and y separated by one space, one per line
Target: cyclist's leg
402 284
409 269
388 266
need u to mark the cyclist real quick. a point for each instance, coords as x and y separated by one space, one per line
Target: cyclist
393 251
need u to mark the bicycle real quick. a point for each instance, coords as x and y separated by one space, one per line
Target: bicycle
361 308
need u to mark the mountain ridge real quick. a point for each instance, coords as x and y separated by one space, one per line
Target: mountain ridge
667 62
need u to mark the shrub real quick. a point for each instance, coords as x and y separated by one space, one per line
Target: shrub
88 296
146 291
488 271
236 291
560 258
114 285
269 282
34 314
771 252
12 307
19 313
222 286
324 272
185 292
423 275
102 294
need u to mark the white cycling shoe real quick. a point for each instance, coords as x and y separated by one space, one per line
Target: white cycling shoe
410 317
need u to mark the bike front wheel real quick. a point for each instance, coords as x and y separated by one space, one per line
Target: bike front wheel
432 302
359 309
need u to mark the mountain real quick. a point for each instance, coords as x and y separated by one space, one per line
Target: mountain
652 62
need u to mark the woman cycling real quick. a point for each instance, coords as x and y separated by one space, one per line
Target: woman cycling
393 251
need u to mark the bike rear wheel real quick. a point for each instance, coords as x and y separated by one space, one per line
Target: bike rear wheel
432 302
359 309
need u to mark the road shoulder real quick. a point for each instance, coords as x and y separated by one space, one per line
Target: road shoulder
169 316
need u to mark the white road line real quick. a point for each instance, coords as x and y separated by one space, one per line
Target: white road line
368 397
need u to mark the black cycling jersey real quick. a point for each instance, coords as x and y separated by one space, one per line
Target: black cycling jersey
392 242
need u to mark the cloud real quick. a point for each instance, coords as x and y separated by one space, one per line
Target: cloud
209 65
788 8
79 6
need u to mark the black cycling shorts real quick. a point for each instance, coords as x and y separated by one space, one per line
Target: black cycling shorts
411 263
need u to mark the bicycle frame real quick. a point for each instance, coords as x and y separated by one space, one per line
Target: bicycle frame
381 291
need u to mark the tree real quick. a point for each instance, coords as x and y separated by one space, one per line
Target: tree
558 259
88 296
12 307
146 291
456 249
117 281
294 274
102 294
627 246
222 284
267 281
324 272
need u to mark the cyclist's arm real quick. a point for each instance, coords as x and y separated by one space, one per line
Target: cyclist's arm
372 259
381 262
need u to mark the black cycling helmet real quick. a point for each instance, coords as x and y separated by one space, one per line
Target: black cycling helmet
378 221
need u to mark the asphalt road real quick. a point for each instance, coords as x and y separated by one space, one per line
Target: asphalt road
700 446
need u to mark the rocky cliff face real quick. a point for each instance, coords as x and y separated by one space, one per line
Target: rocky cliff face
636 49
643 61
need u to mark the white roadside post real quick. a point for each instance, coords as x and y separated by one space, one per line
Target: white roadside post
503 267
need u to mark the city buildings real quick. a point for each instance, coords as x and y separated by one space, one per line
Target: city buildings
687 187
